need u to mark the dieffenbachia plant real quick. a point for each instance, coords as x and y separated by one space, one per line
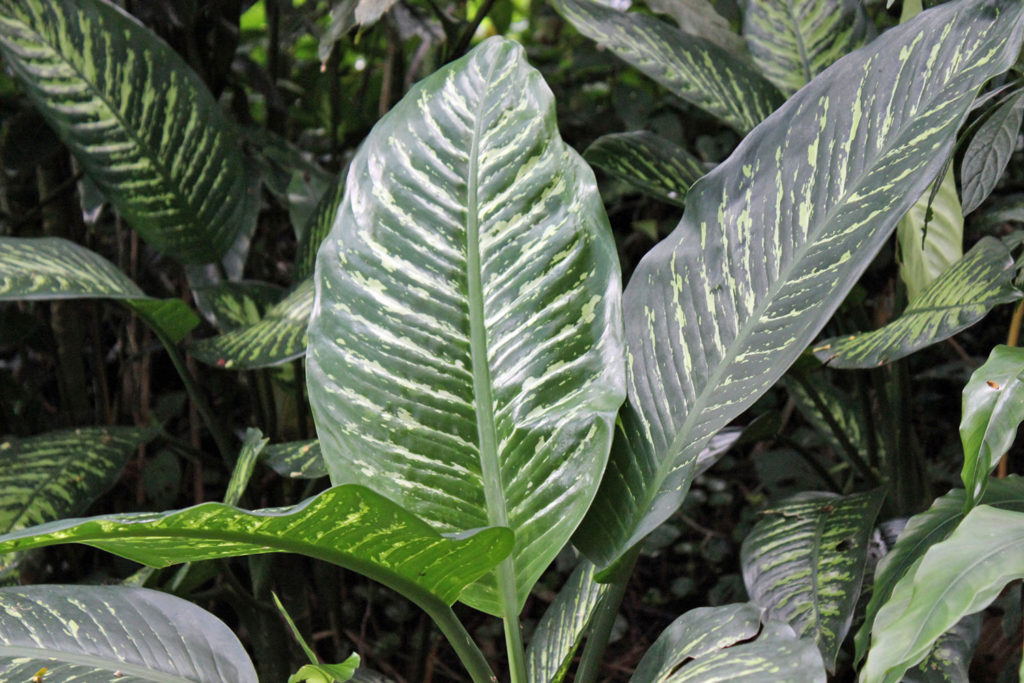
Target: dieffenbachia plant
468 351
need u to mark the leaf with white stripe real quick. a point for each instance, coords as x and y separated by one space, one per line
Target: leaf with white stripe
691 67
296 459
46 268
930 236
773 239
138 119
465 354
648 162
318 226
348 525
99 634
280 336
959 298
804 563
792 41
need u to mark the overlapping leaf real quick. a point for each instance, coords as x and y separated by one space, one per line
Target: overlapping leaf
465 350
804 563
699 18
139 120
772 240
729 643
318 226
648 162
296 459
956 577
931 236
792 41
280 336
112 633
54 268
691 67
989 151
348 525
230 305
960 297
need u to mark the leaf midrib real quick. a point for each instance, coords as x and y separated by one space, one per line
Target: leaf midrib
46 655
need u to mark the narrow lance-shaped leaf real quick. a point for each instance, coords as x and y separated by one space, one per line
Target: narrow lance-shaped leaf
349 525
112 633
792 41
465 347
699 18
318 227
931 237
650 163
804 563
139 120
44 268
993 408
729 643
280 336
959 576
773 239
691 67
960 297
989 151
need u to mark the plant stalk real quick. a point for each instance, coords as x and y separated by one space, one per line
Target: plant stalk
469 654
604 619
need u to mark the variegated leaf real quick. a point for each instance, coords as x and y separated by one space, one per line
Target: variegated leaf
950 658
139 120
989 152
45 268
729 643
773 239
466 354
960 297
348 525
958 576
841 407
648 162
931 237
699 18
98 634
691 67
230 305
318 226
252 446
296 459
804 563
280 336
792 41
561 629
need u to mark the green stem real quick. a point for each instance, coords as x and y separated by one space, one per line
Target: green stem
469 654
510 618
604 619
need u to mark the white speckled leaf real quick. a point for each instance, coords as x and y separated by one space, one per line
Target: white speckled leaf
465 354
773 239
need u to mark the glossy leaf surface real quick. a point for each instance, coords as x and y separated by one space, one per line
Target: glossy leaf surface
792 41
465 349
772 240
729 643
138 119
691 67
804 563
993 408
960 297
280 336
959 576
650 163
350 526
989 152
931 237
98 634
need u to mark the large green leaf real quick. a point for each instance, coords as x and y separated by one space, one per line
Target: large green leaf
465 349
59 474
792 41
348 525
931 237
648 162
691 67
98 634
989 152
950 657
729 643
804 563
960 297
959 576
139 120
923 531
773 239
54 268
561 629
280 336
993 408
